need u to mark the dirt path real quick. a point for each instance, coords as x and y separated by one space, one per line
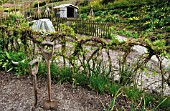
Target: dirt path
16 94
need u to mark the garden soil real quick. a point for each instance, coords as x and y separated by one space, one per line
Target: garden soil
16 94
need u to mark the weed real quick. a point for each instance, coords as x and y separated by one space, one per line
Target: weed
42 69
149 100
65 75
81 79
112 103
164 103
22 68
133 93
113 88
126 75
98 83
54 71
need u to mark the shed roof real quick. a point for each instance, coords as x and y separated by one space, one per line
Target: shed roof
65 5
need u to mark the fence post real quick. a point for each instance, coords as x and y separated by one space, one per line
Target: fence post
93 28
88 27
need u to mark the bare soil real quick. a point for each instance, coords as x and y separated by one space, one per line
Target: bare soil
16 94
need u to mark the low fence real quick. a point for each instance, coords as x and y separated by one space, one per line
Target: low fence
80 26
88 27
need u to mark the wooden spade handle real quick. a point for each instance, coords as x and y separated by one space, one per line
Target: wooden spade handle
35 90
49 80
47 53
33 67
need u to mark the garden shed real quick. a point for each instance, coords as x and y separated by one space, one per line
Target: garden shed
66 11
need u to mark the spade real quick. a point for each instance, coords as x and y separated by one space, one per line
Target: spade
47 51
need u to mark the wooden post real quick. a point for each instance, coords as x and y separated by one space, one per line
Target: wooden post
100 30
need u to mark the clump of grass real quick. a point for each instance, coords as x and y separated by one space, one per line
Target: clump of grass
133 93
150 99
42 70
65 74
55 72
126 73
98 83
164 103
81 79
113 88
61 74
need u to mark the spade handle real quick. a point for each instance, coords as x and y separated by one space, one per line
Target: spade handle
33 68
47 53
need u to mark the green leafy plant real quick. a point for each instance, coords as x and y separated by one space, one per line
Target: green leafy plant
98 83
65 75
126 75
42 69
8 58
113 88
164 103
149 100
54 71
112 103
81 79
22 68
133 93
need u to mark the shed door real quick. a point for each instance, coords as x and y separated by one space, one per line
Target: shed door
70 12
